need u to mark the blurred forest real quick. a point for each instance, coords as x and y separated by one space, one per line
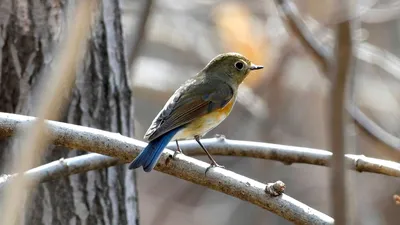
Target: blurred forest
286 103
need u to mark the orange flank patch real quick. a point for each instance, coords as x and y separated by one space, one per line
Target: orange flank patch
204 124
227 108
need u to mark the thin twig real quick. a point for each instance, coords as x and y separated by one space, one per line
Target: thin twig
137 37
299 29
66 167
184 167
34 139
338 179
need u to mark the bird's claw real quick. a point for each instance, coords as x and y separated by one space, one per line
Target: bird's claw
177 152
217 165
214 165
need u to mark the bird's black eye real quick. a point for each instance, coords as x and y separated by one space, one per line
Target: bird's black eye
239 65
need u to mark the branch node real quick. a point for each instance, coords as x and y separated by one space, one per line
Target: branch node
168 160
220 137
358 160
62 161
275 189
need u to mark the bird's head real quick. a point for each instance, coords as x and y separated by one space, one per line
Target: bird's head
231 67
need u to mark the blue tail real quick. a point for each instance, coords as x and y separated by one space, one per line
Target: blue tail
149 156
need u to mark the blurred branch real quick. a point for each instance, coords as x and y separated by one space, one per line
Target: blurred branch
373 128
342 59
389 63
364 51
299 29
383 12
187 168
343 55
136 38
33 140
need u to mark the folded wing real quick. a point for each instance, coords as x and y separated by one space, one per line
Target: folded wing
194 99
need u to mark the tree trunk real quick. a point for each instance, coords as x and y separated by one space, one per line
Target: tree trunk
101 99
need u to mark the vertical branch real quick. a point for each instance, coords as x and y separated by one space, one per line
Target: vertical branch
343 54
35 138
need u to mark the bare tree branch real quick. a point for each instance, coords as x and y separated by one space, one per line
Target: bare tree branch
338 179
65 167
83 138
365 52
187 168
216 146
389 63
34 139
306 37
225 147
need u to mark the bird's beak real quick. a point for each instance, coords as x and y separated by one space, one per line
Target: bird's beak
255 67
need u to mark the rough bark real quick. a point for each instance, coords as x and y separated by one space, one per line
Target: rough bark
29 31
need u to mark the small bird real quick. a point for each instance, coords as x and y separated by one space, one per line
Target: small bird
197 107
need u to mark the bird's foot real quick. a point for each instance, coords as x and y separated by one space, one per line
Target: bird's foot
177 152
214 165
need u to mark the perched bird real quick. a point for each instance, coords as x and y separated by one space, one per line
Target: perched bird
197 107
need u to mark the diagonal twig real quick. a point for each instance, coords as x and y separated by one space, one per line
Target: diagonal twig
306 37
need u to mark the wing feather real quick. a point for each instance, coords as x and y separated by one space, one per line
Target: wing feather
188 103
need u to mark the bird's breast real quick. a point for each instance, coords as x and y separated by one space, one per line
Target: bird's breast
205 123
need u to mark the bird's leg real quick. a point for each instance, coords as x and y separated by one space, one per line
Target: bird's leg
178 150
213 162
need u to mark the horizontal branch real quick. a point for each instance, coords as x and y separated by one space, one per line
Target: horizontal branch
187 168
287 154
217 146
225 147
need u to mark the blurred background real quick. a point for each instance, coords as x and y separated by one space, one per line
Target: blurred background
286 103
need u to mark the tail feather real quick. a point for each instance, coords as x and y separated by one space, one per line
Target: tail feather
149 156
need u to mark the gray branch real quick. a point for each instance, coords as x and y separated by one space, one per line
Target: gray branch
343 56
216 146
184 167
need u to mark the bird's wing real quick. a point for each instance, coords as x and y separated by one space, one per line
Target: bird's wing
192 100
